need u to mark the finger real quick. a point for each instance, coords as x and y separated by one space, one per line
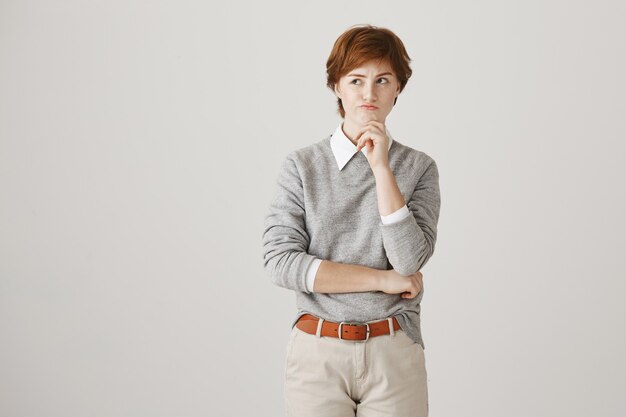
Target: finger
358 137
363 138
376 124
367 138
360 132
365 129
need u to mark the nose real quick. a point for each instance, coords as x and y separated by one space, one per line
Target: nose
369 94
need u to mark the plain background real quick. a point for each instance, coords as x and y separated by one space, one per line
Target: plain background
139 147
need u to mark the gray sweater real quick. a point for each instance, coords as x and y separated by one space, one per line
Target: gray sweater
322 212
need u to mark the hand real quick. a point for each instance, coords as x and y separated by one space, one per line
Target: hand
373 137
407 286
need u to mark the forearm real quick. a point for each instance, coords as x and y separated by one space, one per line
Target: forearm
410 242
335 277
387 191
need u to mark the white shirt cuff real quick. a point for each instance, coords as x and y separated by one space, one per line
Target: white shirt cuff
311 272
396 216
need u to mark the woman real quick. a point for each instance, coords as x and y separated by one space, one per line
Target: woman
353 220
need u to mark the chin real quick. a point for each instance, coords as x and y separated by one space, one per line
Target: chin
373 115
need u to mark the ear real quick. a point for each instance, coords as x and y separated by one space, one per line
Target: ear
337 92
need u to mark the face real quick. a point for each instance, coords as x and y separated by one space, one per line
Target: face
368 92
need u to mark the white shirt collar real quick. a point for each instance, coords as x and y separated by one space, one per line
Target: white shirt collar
344 149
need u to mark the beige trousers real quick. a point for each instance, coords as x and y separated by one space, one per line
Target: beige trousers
329 377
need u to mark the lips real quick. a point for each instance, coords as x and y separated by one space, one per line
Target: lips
369 107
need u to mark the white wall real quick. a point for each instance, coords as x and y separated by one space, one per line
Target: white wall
139 146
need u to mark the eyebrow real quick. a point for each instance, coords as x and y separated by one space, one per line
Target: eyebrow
359 75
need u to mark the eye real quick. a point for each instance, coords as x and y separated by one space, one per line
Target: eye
356 79
386 80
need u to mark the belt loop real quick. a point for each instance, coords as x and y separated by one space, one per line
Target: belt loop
319 327
392 331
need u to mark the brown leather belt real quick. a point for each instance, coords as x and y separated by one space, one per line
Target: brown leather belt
349 330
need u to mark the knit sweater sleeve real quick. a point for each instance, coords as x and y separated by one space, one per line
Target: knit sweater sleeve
410 243
285 237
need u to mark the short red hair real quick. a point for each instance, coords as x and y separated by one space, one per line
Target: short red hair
360 44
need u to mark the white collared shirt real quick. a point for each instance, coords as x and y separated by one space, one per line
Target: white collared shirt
344 150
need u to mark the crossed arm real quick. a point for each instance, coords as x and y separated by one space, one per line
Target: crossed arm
409 240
